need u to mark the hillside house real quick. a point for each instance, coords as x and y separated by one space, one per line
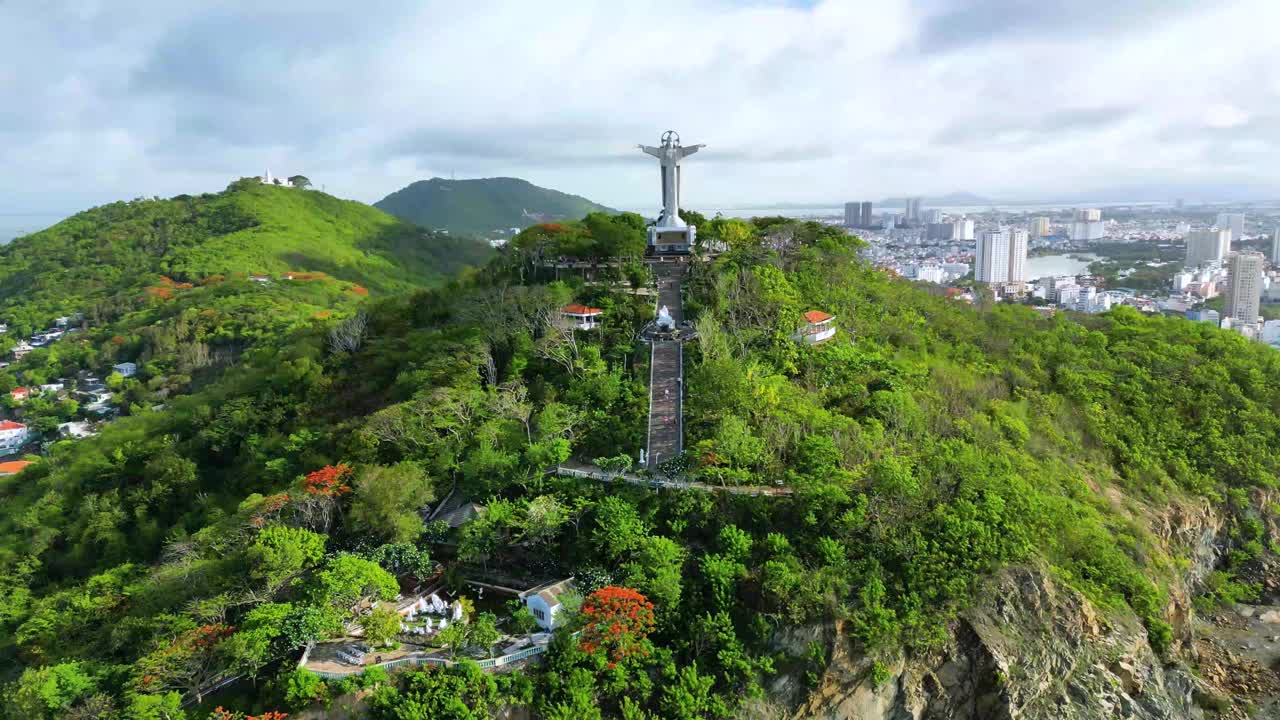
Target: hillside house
20 394
21 349
13 435
13 467
126 369
545 602
53 388
75 430
581 317
819 327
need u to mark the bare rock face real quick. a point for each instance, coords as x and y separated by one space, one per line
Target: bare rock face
1028 648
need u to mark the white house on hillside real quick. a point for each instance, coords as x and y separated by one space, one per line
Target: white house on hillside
13 435
544 602
126 369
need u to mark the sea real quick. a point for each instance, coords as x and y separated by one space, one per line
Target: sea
1053 265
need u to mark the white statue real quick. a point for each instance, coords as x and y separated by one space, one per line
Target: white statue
665 322
669 155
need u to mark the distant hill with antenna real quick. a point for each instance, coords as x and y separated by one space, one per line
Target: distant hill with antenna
482 206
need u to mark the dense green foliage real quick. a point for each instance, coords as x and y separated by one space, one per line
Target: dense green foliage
99 261
926 445
483 205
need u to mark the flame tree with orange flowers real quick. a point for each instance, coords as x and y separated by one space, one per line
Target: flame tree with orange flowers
617 621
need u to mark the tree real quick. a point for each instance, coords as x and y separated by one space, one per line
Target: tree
617 622
460 692
522 620
658 570
692 697
278 554
348 578
380 626
453 638
302 688
255 641
49 691
484 631
543 518
619 528
404 559
387 501
299 181
164 706
188 663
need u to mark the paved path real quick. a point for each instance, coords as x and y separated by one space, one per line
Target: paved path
573 468
666 421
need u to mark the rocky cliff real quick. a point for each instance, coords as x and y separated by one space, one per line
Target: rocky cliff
1031 647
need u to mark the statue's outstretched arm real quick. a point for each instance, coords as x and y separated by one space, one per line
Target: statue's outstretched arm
691 149
656 152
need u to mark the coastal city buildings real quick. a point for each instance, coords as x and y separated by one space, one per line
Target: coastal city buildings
1233 222
857 214
912 212
1244 287
1088 225
1207 246
991 261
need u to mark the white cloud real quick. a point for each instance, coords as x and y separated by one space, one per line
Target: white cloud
796 102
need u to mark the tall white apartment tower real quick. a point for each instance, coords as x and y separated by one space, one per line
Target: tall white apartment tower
1275 246
1017 255
1233 222
991 262
1244 286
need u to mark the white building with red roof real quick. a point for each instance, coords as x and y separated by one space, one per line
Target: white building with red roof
13 435
20 394
819 327
581 317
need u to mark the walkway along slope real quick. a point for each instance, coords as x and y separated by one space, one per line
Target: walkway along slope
666 421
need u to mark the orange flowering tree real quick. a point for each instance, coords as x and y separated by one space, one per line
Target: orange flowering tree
328 481
618 621
219 713
189 663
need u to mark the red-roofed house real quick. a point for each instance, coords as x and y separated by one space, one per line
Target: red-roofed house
13 467
818 327
20 394
581 316
13 435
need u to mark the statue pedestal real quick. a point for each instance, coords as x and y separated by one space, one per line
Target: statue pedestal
671 240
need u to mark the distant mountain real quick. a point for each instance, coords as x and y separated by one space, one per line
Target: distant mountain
483 205
950 199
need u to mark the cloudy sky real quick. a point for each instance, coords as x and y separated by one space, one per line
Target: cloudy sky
797 101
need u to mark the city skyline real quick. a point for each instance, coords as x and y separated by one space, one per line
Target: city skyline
161 99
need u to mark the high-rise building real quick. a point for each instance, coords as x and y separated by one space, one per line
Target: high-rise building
1017 255
1244 286
940 231
964 229
852 214
1207 246
932 216
1275 246
991 262
1088 225
1233 222
1039 227
912 213
866 214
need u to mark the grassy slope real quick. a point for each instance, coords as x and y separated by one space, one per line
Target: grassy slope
106 255
313 231
481 205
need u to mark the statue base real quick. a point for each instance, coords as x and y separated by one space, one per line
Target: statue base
671 240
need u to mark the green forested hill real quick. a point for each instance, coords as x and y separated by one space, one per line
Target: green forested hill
483 205
105 257
926 446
